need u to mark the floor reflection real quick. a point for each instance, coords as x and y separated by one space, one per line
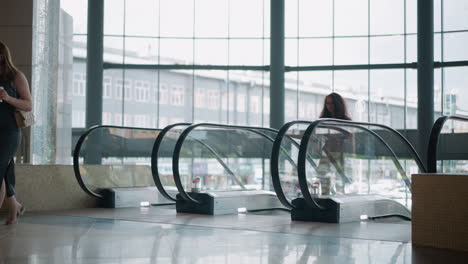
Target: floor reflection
66 239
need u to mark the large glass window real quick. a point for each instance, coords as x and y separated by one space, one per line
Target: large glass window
343 40
192 33
347 42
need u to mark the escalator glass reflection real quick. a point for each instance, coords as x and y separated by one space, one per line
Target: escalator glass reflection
161 163
446 149
112 156
217 158
284 161
356 158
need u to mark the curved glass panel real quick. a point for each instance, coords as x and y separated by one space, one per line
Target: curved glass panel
284 161
357 158
447 145
211 157
163 152
112 156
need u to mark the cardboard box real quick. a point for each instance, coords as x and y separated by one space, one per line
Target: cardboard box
440 211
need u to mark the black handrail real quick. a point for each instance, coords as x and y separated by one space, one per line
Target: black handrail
180 141
154 159
154 162
361 125
275 159
434 140
76 154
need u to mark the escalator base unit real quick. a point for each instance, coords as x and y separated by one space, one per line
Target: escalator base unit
227 202
347 208
130 197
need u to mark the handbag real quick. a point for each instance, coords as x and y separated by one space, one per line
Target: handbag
24 118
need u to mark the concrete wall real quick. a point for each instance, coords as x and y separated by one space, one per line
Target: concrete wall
16 26
50 187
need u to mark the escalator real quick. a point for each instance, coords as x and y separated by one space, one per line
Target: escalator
161 159
346 171
447 145
113 164
221 169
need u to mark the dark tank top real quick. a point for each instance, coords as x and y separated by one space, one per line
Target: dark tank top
7 117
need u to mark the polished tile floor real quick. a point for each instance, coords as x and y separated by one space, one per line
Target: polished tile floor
159 235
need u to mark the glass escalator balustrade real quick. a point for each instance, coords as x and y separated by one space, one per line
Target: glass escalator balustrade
114 157
357 159
447 149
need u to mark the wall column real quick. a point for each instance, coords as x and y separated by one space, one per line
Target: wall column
277 64
94 63
425 74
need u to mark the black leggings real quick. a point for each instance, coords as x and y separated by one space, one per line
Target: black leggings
9 142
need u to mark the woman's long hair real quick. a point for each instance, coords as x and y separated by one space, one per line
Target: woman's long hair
7 68
341 112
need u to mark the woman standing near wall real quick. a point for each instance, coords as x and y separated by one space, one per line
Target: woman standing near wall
14 95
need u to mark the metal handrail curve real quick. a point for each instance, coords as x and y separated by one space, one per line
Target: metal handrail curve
274 168
154 159
308 132
434 140
275 159
76 154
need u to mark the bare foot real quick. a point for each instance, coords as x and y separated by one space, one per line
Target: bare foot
14 212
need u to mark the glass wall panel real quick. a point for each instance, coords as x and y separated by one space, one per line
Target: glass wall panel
351 51
211 51
291 52
437 47
246 98
113 104
114 15
246 52
79 83
141 18
141 50
209 88
411 49
291 99
437 15
351 17
320 81
266 102
78 10
455 15
315 52
411 16
411 99
175 91
176 18
316 18
387 49
266 18
456 46
386 17
455 90
291 18
353 86
114 49
211 19
387 93
246 19
176 51
438 91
